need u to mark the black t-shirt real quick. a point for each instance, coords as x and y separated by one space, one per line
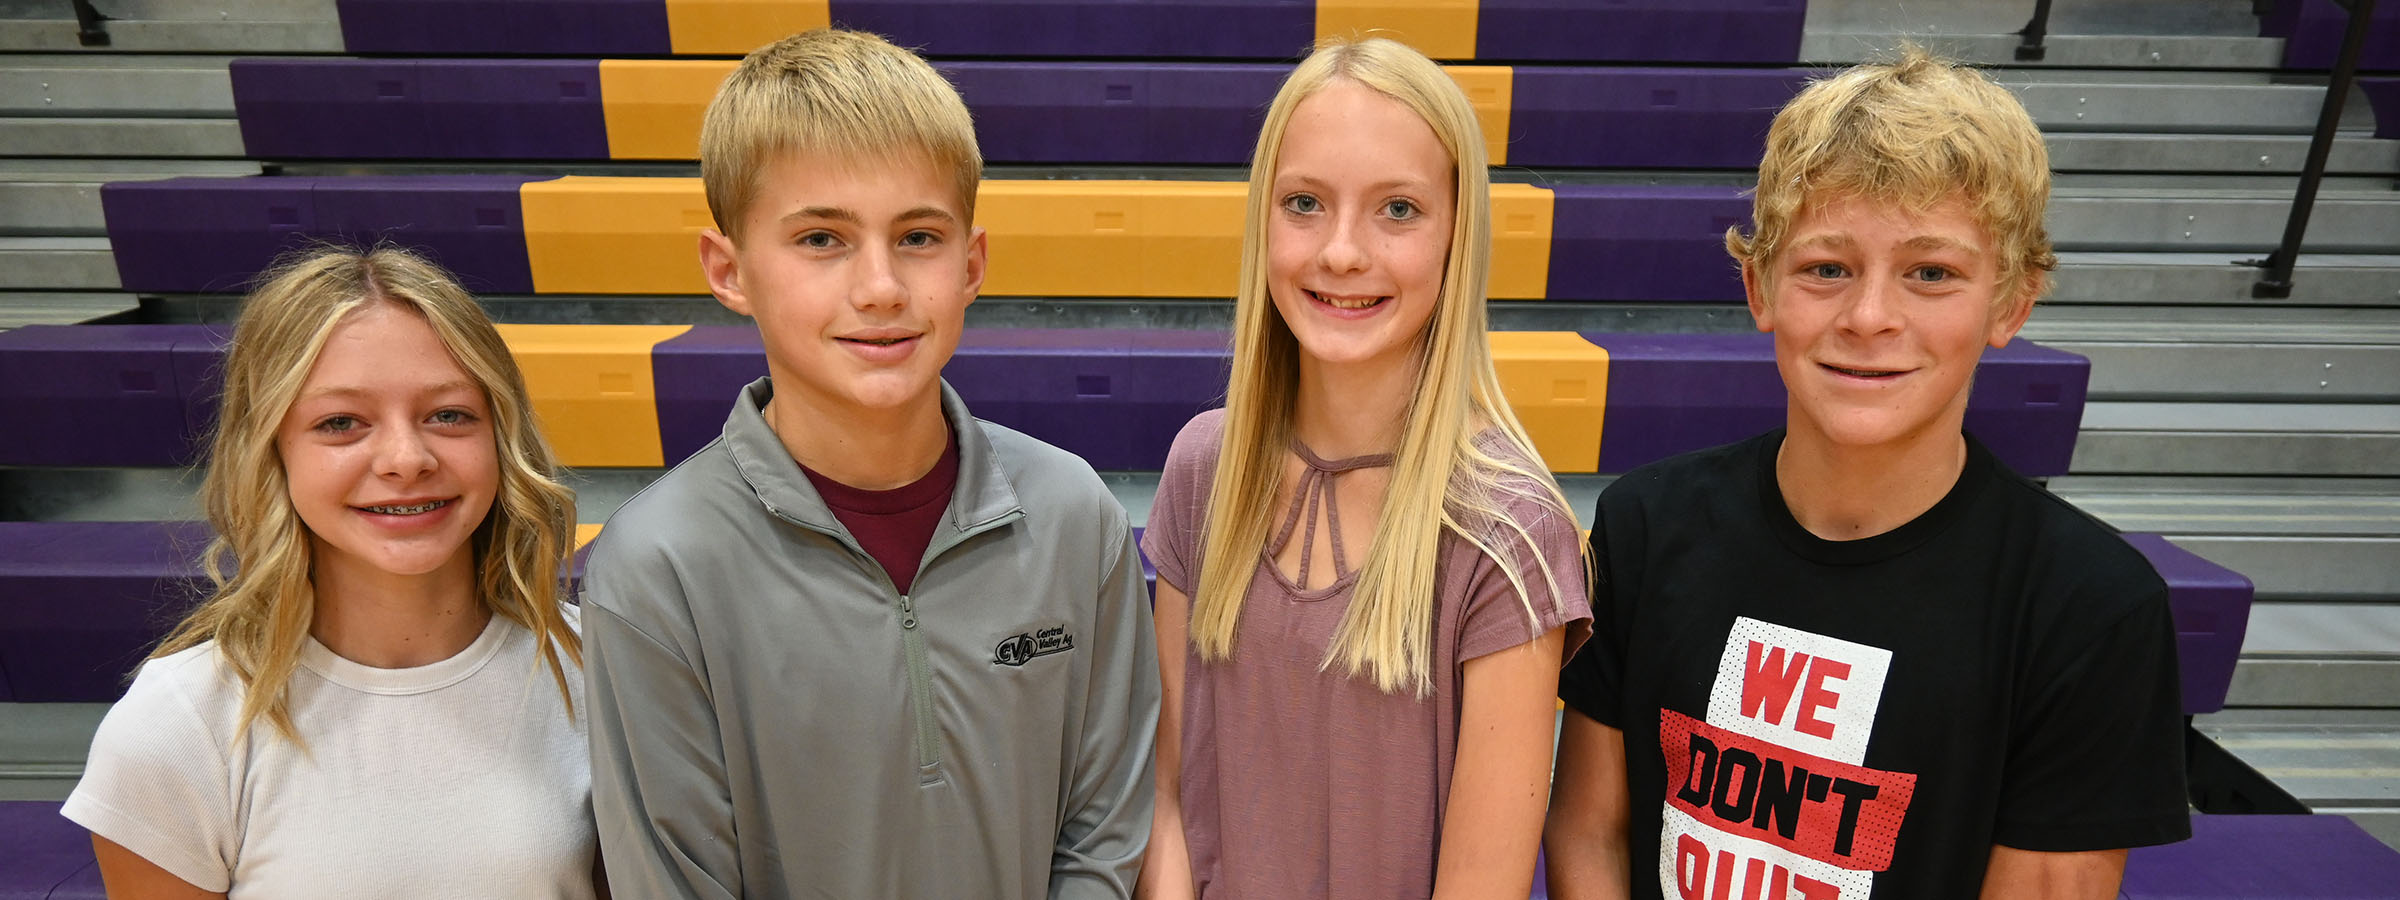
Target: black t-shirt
1846 719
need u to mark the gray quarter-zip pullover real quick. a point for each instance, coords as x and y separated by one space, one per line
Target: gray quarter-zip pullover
770 718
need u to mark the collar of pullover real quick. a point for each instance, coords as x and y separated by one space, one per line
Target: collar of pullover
983 494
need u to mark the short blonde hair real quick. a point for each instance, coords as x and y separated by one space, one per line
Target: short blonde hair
843 95
261 603
1914 132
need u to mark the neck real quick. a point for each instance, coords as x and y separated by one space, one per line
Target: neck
391 621
1843 493
1353 409
868 449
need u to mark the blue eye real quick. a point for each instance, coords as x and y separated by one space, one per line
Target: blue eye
1932 274
453 417
919 239
818 240
1400 210
1827 270
337 424
1301 204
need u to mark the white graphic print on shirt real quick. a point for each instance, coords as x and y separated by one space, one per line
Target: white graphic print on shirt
1767 799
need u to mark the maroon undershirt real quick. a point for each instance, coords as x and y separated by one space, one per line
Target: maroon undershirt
895 525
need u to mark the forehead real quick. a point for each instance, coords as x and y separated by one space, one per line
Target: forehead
1870 223
1348 132
380 347
863 183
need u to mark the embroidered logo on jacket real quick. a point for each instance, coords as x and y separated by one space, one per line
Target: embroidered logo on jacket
1768 798
1024 648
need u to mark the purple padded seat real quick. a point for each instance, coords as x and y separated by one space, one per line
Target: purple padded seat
201 234
1156 113
1716 31
2313 29
1675 393
300 107
2212 612
1644 118
1644 242
105 395
506 27
46 851
81 603
417 109
1114 397
2324 857
473 225
1256 29
2383 94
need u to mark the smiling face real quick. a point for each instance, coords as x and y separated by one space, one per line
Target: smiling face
1880 316
388 452
1364 197
859 273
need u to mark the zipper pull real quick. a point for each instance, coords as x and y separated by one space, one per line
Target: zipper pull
908 613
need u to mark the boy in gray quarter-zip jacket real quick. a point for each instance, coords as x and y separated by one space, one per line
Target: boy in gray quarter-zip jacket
863 644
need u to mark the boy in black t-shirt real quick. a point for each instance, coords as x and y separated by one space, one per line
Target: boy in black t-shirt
1856 657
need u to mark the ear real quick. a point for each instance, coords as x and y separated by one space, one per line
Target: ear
2011 317
1762 313
977 258
723 267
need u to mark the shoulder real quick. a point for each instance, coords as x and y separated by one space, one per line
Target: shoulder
660 517
2080 565
1687 481
1049 479
188 697
1195 447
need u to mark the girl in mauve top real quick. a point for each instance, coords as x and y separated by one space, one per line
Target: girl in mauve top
1370 573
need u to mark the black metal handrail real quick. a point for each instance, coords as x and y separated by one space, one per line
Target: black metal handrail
88 28
2276 283
2034 32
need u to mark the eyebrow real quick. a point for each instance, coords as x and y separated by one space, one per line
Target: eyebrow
841 214
1376 188
343 390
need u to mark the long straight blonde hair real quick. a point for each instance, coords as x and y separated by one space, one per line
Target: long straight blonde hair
261 603
1442 478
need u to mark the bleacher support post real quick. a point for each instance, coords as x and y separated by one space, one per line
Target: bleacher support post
88 28
2276 284
2034 32
2220 783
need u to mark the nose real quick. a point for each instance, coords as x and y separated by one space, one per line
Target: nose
879 282
1874 306
402 453
1343 252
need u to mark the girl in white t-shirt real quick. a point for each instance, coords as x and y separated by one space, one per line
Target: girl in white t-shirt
375 699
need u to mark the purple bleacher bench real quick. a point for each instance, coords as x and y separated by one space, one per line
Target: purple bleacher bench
47 856
214 235
1170 113
2212 613
2313 30
81 603
1645 242
1672 393
1115 396
419 109
1721 31
2321 857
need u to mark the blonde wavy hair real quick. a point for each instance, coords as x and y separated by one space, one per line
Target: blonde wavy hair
1913 132
1442 479
260 605
833 94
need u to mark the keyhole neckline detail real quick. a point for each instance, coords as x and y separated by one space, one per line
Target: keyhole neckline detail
1315 489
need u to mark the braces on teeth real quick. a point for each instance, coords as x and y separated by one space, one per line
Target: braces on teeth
407 510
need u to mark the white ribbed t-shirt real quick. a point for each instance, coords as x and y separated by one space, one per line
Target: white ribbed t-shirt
459 779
